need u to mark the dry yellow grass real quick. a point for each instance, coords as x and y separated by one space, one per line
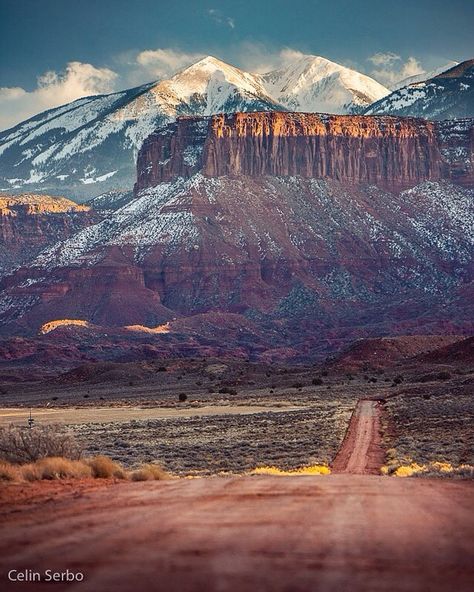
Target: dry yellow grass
309 470
98 467
409 468
55 468
8 472
103 467
149 472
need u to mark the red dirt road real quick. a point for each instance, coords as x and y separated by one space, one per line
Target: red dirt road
336 533
341 533
361 451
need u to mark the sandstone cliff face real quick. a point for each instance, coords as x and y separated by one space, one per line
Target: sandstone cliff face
390 152
29 223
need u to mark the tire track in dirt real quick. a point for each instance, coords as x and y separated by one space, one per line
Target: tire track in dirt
361 451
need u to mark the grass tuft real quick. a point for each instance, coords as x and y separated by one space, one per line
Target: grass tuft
309 470
8 472
149 472
103 467
53 468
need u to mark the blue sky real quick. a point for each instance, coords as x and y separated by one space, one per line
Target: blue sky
115 44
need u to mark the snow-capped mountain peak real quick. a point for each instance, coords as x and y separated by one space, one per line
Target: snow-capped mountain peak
314 83
215 81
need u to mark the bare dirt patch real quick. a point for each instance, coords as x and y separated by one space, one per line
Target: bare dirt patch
125 414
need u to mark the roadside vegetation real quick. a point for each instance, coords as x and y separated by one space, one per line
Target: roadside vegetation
429 433
234 444
50 453
308 470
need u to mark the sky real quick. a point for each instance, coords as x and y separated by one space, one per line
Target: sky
54 51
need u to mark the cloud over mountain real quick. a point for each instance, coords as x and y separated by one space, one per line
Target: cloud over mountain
54 89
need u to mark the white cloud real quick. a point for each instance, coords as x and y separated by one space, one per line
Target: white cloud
259 59
221 19
162 63
384 59
289 55
53 89
390 68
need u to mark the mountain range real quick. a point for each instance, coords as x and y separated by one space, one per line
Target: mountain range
447 95
89 147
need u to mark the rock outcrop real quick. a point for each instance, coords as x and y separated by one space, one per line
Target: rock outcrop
393 153
31 222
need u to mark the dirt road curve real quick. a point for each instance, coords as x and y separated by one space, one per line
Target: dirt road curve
361 451
340 533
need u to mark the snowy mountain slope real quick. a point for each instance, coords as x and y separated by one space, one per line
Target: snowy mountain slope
446 96
424 76
286 246
315 84
89 146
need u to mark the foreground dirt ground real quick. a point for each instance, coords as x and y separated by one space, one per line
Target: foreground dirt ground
336 533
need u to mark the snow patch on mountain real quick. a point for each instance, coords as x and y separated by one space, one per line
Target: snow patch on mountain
423 76
447 95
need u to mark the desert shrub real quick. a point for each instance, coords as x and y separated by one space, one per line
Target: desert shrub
182 397
20 444
443 375
317 381
297 385
227 390
408 468
149 472
52 468
8 472
103 467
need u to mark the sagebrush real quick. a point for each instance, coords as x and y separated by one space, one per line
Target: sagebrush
20 445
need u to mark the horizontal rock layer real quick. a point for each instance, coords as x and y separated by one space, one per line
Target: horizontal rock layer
30 222
393 153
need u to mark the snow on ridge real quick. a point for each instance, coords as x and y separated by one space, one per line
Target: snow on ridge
159 215
313 83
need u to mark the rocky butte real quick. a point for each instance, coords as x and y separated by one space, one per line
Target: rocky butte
393 153
300 231
31 222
